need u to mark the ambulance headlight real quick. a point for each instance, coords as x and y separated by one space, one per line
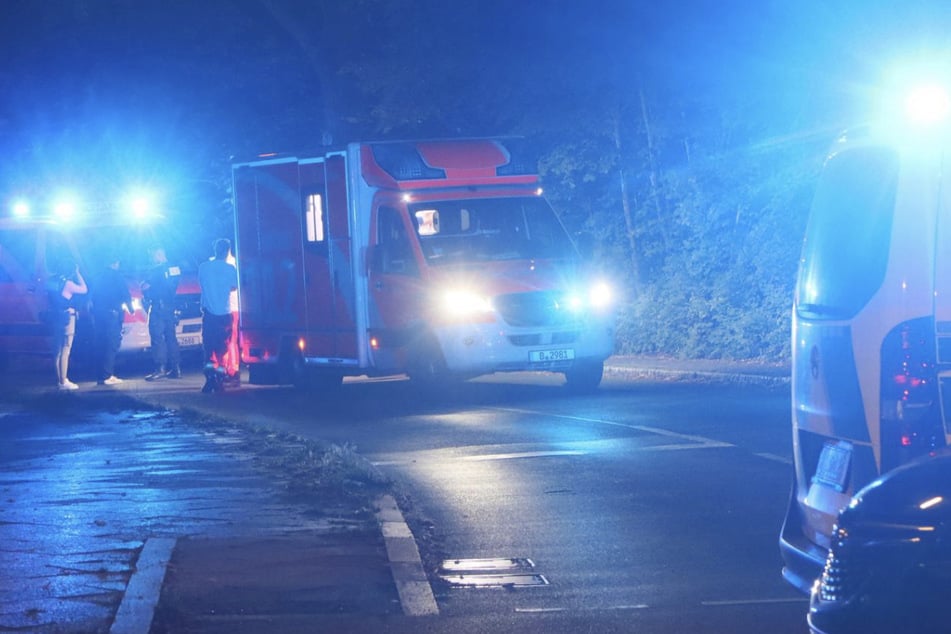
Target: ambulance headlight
599 296
465 304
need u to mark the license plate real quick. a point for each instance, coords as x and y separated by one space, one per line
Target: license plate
188 341
833 469
560 354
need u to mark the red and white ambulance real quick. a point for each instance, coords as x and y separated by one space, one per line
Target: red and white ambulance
436 259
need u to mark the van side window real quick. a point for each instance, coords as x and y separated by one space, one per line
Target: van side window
396 251
315 221
845 253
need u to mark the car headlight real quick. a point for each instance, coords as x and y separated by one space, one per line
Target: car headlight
465 305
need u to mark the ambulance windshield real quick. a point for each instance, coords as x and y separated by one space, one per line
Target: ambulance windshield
490 229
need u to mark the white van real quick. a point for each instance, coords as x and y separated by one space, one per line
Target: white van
871 337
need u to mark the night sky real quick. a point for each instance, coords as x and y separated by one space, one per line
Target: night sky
108 89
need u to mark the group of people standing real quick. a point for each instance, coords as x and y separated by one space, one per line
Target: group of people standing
110 301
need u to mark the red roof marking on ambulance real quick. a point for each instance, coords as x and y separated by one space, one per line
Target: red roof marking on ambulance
464 160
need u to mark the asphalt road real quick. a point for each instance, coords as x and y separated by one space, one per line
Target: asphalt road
648 506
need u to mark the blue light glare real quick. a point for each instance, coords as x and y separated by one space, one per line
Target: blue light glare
141 208
601 295
21 209
915 102
65 209
598 296
928 104
140 204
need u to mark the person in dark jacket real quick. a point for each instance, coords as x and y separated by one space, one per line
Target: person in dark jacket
110 302
159 290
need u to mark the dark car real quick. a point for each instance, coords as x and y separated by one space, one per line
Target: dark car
889 568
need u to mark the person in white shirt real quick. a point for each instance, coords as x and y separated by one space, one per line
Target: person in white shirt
218 278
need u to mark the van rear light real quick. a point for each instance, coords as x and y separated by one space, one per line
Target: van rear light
910 421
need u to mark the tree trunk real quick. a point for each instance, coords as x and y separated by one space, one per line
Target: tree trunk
626 207
652 163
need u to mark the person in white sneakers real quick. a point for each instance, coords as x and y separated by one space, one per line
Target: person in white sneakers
110 303
218 278
61 288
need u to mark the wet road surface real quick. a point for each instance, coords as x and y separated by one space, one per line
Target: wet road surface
81 491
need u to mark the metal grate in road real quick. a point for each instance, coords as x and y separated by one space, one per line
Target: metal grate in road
491 573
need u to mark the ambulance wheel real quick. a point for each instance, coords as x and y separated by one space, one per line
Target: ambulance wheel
584 376
323 380
427 367
313 379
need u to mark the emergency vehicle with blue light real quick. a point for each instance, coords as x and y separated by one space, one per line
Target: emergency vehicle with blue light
31 240
871 321
437 259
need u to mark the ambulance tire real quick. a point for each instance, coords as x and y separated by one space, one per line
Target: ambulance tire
321 380
310 378
584 376
292 370
427 368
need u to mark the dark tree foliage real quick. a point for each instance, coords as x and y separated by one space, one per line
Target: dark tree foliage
690 187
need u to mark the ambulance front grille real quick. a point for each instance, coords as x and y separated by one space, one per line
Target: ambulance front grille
538 339
535 309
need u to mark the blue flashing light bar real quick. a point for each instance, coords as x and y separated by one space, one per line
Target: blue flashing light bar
20 209
136 207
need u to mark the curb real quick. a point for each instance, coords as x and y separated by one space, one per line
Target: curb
668 374
412 585
137 609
